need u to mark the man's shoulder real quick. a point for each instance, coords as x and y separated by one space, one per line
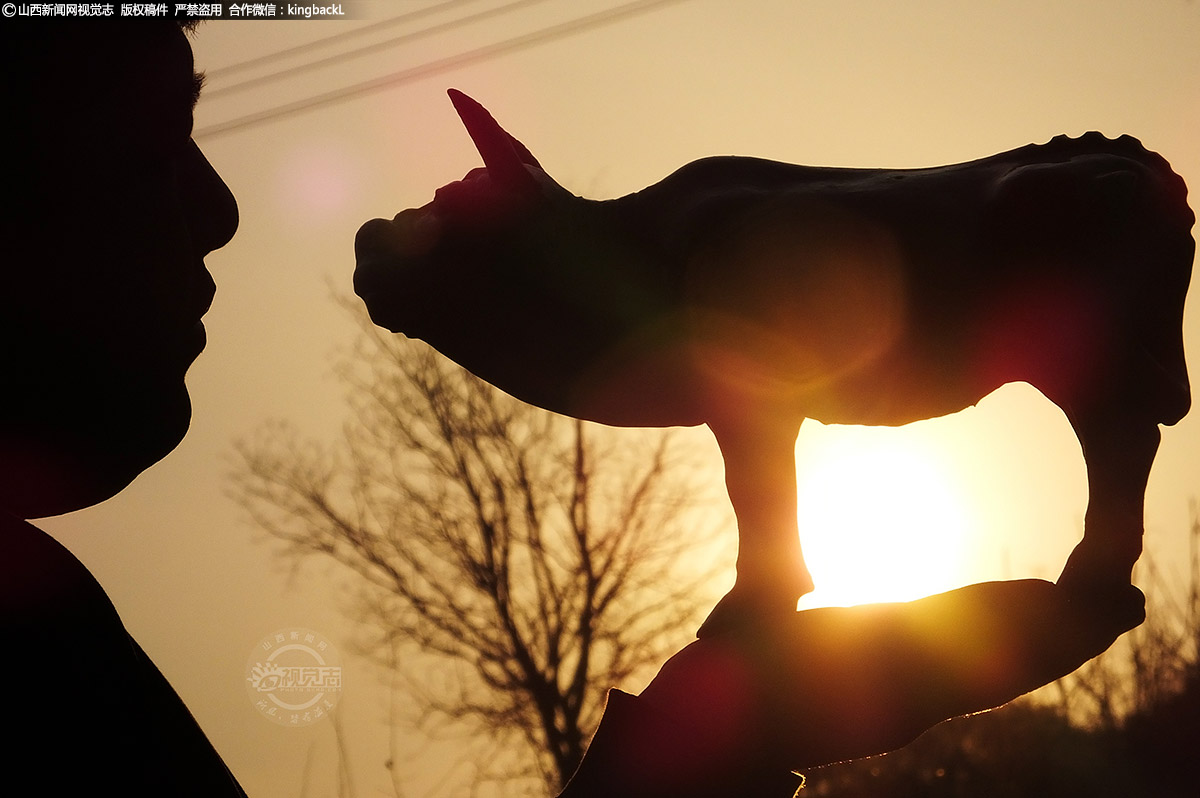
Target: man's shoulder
71 671
57 621
39 576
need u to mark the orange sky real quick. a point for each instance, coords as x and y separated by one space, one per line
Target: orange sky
607 111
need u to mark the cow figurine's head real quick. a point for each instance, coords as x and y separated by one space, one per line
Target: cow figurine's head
508 274
417 267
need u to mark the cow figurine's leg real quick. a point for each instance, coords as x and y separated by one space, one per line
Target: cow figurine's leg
1137 381
1119 450
760 475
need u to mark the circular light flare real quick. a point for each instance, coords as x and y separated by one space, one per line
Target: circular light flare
317 182
880 516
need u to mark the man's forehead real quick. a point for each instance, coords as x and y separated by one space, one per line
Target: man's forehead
160 57
88 87
151 85
97 60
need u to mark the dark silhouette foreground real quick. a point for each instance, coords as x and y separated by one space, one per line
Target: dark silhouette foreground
749 294
109 211
735 714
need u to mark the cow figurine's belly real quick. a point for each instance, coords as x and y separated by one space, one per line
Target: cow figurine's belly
749 295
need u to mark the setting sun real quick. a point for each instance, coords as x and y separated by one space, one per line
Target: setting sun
881 516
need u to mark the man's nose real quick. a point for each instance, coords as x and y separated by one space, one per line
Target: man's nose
211 208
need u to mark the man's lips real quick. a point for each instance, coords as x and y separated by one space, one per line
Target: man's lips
196 339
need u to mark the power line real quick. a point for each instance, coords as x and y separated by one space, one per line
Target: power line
370 48
280 55
514 44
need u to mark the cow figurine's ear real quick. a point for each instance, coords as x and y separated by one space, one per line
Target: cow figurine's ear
504 156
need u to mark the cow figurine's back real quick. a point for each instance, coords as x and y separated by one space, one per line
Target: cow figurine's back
748 295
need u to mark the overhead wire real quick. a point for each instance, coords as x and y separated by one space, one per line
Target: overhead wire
511 45
371 48
280 55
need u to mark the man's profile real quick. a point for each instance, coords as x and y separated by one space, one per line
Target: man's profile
109 211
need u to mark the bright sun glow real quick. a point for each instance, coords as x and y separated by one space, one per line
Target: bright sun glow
881 518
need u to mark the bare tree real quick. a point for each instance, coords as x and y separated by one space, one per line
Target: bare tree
538 561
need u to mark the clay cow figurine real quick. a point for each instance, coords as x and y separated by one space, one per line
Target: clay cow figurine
748 295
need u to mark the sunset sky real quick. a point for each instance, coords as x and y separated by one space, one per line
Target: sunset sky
994 492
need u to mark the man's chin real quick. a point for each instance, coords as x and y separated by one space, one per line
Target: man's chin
70 495
94 463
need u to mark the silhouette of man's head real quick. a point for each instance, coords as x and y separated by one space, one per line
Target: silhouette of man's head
109 210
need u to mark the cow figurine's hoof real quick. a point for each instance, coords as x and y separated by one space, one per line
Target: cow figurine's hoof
743 610
1108 614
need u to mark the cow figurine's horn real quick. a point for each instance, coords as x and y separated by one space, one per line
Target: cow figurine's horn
504 156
